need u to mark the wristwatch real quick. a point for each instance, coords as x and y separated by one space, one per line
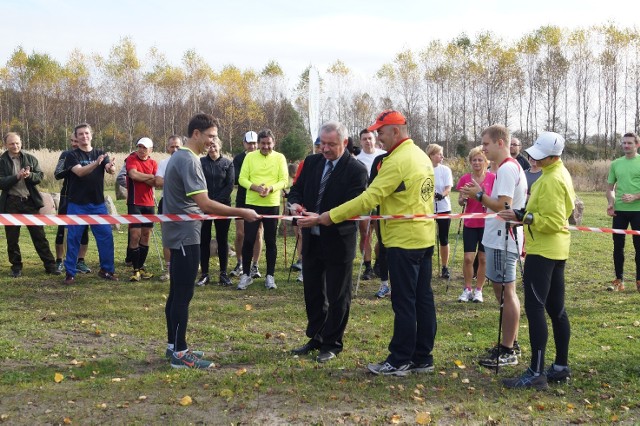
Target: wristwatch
528 219
479 195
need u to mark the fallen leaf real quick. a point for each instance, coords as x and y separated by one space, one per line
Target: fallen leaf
97 332
186 401
636 323
103 406
112 334
248 307
395 419
605 348
281 336
571 406
267 335
459 364
454 375
226 393
117 379
241 371
614 418
423 418
67 421
58 377
142 398
465 381
540 406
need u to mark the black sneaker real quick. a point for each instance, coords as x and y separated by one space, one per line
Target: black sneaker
427 367
527 380
499 357
516 348
225 281
445 272
109 276
204 280
237 271
558 376
368 274
255 273
297 266
376 268
386 369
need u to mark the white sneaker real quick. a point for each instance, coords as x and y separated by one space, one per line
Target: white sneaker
300 279
245 281
477 296
466 295
165 276
270 282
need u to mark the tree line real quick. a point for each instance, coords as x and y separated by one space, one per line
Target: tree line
583 83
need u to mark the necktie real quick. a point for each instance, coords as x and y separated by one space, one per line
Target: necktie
323 184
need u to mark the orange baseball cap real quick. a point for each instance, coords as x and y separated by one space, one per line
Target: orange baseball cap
388 116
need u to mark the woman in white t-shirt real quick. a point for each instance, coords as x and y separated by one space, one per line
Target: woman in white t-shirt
443 184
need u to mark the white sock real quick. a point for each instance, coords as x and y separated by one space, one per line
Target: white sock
385 283
557 367
170 346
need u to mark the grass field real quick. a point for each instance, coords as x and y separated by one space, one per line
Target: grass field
106 343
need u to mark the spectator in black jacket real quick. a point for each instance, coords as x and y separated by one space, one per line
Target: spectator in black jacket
219 173
19 175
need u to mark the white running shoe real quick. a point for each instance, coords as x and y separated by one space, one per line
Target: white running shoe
245 281
270 282
477 296
466 295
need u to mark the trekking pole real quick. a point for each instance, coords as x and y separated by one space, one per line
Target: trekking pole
455 246
295 250
366 238
515 238
504 271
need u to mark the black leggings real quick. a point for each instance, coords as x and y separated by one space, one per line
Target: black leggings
622 220
250 233
222 234
443 229
544 290
183 272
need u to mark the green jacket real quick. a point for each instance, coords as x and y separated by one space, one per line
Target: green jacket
404 185
551 203
8 178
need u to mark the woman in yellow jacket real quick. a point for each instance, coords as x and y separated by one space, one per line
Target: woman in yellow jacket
545 218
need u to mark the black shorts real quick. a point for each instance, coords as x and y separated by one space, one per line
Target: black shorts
133 209
472 238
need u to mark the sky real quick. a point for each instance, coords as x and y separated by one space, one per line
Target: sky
250 33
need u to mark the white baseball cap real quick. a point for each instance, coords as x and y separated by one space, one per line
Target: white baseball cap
146 142
250 137
548 144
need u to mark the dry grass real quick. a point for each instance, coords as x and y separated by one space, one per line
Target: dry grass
49 159
587 175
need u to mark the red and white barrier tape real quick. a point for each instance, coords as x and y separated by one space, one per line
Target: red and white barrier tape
44 220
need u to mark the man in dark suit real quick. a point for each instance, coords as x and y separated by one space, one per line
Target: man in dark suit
327 180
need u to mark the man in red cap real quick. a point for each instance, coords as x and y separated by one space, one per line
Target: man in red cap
404 185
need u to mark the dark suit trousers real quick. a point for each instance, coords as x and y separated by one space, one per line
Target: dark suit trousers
40 242
327 296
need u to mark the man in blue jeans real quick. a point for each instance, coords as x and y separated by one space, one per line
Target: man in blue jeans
404 185
86 167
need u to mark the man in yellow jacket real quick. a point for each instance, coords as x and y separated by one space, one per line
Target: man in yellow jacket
545 218
264 174
404 186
